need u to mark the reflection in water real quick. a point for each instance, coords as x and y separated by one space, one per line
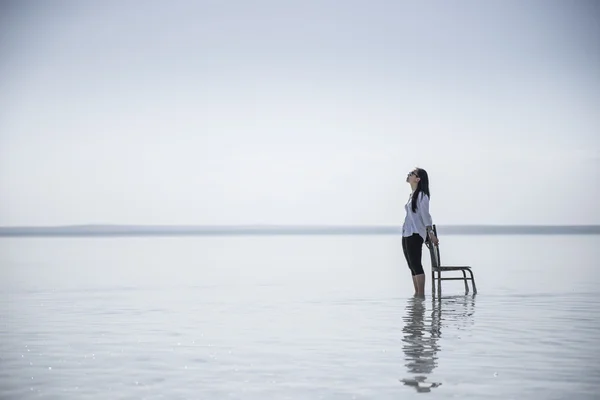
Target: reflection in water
421 335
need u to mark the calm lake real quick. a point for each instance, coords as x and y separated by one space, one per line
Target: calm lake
296 317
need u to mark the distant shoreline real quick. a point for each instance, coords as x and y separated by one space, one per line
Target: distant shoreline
233 230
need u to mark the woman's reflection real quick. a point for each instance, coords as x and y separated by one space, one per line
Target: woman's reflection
421 335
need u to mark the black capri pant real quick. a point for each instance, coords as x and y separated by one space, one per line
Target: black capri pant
413 250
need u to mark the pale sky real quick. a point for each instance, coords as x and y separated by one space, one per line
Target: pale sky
298 112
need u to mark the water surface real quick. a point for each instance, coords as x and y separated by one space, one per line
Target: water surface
295 317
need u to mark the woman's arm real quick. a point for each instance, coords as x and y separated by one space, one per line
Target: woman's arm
423 210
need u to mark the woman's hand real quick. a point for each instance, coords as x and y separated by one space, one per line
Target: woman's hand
433 238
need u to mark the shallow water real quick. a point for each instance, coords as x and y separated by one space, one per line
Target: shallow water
295 317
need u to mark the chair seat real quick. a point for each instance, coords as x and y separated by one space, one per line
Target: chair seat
451 268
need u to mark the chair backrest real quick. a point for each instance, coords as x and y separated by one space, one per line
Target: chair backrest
434 251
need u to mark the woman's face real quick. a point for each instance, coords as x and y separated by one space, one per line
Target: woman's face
413 177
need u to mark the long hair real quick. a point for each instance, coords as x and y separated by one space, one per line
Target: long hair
422 187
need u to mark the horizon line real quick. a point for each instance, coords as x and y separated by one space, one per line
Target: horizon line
284 225
272 229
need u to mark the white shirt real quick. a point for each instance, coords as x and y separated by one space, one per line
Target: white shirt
417 222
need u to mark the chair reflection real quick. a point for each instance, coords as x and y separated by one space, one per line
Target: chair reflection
421 334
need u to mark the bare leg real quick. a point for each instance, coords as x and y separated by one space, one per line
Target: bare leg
419 284
414 278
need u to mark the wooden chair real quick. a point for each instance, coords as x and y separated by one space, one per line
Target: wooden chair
438 268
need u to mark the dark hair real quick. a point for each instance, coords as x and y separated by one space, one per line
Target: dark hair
422 186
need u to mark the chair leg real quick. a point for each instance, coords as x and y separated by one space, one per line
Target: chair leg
439 283
465 281
473 281
432 282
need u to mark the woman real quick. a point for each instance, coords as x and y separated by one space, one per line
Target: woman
418 224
